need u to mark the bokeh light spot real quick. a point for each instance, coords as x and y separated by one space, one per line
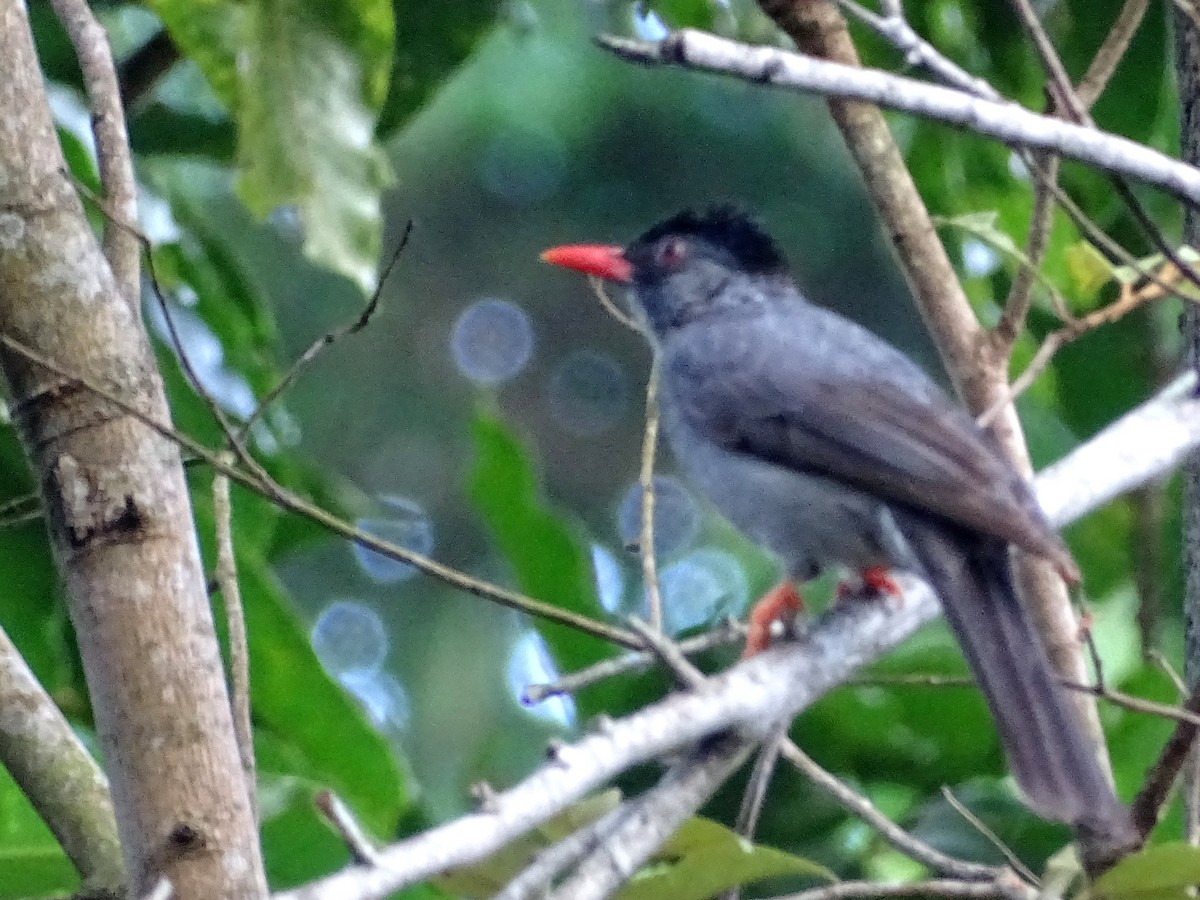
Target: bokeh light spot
381 696
531 663
610 580
676 518
589 393
407 525
700 589
492 341
349 637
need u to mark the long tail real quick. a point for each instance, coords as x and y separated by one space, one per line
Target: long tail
1048 752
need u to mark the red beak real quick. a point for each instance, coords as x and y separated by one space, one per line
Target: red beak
600 260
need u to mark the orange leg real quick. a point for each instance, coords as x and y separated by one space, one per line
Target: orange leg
782 600
875 580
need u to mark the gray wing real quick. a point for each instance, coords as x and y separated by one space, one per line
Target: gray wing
815 393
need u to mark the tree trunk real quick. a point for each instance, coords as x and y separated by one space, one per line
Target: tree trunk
119 516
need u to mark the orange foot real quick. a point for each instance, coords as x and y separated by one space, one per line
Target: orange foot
875 581
777 603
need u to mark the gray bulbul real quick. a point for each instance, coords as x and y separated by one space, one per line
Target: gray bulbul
827 445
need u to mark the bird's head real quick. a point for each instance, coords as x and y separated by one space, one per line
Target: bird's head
690 266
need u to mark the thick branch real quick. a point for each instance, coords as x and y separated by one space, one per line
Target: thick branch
1006 122
779 683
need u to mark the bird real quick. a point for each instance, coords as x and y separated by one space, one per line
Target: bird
826 445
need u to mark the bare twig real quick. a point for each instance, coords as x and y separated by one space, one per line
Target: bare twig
235 617
113 156
1153 795
1128 301
864 809
363 320
1004 121
990 836
1020 294
1105 62
668 651
1134 704
646 480
337 814
894 28
1003 887
725 634
287 500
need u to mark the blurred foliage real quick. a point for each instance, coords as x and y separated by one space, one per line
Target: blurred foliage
262 154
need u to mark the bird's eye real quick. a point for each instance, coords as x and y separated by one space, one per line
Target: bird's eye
672 252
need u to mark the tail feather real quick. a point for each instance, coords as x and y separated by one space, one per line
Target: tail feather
1048 752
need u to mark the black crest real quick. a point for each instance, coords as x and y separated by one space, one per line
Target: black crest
727 226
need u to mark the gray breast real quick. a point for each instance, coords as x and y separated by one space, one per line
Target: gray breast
807 521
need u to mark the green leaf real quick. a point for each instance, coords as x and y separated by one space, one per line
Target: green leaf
685 13
432 39
704 858
31 862
303 80
1164 872
547 554
1089 271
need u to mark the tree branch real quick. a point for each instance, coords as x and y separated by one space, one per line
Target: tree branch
113 156
1006 122
56 773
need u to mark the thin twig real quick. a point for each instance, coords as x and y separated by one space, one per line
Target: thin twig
1127 302
1020 294
112 218
755 796
1116 42
646 480
114 159
990 836
899 839
1156 789
1157 657
285 499
226 576
337 814
725 634
364 319
1134 704
668 651
1003 887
